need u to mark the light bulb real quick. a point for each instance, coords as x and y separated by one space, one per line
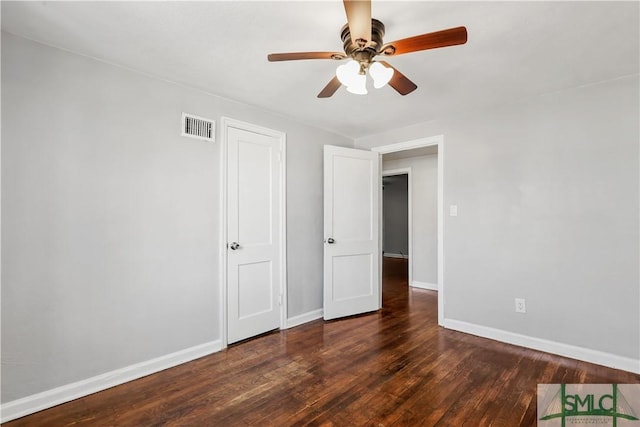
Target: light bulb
380 74
348 73
358 85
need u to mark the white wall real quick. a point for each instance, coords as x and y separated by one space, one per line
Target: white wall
424 207
548 196
110 218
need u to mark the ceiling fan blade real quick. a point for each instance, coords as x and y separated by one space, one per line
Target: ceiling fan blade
450 37
291 56
359 20
330 88
399 81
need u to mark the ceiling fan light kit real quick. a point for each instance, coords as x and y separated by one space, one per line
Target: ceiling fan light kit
353 76
362 42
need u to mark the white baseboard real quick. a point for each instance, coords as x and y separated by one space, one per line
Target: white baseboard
46 399
424 285
304 318
566 350
390 255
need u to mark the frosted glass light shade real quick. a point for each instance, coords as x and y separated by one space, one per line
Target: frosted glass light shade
380 74
358 85
348 73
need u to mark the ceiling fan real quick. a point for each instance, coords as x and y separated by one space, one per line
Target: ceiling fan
362 41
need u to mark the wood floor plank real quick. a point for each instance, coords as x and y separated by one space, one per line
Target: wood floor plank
394 367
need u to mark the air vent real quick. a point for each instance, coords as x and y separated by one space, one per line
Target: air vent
198 127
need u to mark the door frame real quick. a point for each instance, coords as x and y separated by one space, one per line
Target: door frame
436 140
225 124
395 172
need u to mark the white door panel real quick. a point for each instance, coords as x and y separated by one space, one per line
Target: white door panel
351 221
352 199
253 230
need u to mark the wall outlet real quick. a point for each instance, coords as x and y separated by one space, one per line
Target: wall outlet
520 305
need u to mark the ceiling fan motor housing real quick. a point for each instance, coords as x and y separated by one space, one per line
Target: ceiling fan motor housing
363 51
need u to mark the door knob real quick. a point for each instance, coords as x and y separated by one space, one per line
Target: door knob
330 240
234 246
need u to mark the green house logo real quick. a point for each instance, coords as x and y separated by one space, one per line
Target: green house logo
587 404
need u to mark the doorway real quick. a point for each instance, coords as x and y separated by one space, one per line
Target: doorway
396 218
425 266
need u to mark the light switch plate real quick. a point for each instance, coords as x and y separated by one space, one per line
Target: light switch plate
453 210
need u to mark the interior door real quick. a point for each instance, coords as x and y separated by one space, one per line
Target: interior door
253 233
351 229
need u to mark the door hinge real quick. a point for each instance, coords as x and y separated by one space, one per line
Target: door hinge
280 299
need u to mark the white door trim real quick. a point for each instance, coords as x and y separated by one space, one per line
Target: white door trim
408 145
225 124
405 171
437 140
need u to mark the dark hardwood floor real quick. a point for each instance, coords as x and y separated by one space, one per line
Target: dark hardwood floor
395 367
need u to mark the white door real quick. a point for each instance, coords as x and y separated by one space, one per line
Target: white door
254 224
351 227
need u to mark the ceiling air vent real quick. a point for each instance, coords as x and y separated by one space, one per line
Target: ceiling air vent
198 127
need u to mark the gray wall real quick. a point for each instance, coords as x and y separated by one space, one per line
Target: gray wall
395 215
110 218
424 218
547 193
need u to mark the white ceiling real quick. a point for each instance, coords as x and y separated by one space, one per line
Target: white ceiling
515 50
